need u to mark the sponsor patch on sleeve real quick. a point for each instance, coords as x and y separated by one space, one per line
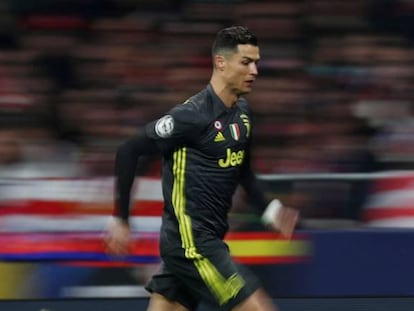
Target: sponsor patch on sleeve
164 127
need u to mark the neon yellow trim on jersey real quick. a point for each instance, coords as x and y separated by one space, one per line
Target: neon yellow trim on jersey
178 198
223 289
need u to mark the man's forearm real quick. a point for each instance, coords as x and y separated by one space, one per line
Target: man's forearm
256 196
126 166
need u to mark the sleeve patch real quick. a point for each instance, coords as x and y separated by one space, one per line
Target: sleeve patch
164 126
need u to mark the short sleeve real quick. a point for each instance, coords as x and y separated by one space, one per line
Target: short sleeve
177 127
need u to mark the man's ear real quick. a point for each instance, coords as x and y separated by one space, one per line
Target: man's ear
220 62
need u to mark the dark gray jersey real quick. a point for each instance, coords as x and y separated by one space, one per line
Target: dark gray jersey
205 147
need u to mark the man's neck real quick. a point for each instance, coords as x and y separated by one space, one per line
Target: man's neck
227 97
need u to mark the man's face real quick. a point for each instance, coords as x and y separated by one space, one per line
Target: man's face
240 69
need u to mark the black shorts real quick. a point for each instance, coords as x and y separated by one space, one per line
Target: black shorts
206 274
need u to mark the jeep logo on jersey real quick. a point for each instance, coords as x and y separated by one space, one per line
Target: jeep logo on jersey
164 126
233 158
235 131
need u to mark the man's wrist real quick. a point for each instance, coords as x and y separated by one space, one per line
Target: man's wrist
121 220
270 213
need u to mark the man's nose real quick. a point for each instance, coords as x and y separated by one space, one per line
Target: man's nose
253 69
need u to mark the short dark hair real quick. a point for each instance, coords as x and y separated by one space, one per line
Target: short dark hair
229 38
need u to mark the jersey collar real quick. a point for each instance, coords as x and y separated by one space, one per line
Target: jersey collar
218 105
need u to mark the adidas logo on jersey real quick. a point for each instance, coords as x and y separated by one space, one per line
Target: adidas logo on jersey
219 137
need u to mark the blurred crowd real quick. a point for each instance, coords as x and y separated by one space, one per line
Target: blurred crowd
77 77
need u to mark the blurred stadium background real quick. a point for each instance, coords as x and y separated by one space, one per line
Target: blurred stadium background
334 138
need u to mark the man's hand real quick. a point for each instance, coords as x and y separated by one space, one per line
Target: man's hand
280 218
118 237
285 221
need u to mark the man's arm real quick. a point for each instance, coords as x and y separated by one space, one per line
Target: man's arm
127 162
256 196
178 126
127 158
273 214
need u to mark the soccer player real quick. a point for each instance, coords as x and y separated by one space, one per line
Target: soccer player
205 144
